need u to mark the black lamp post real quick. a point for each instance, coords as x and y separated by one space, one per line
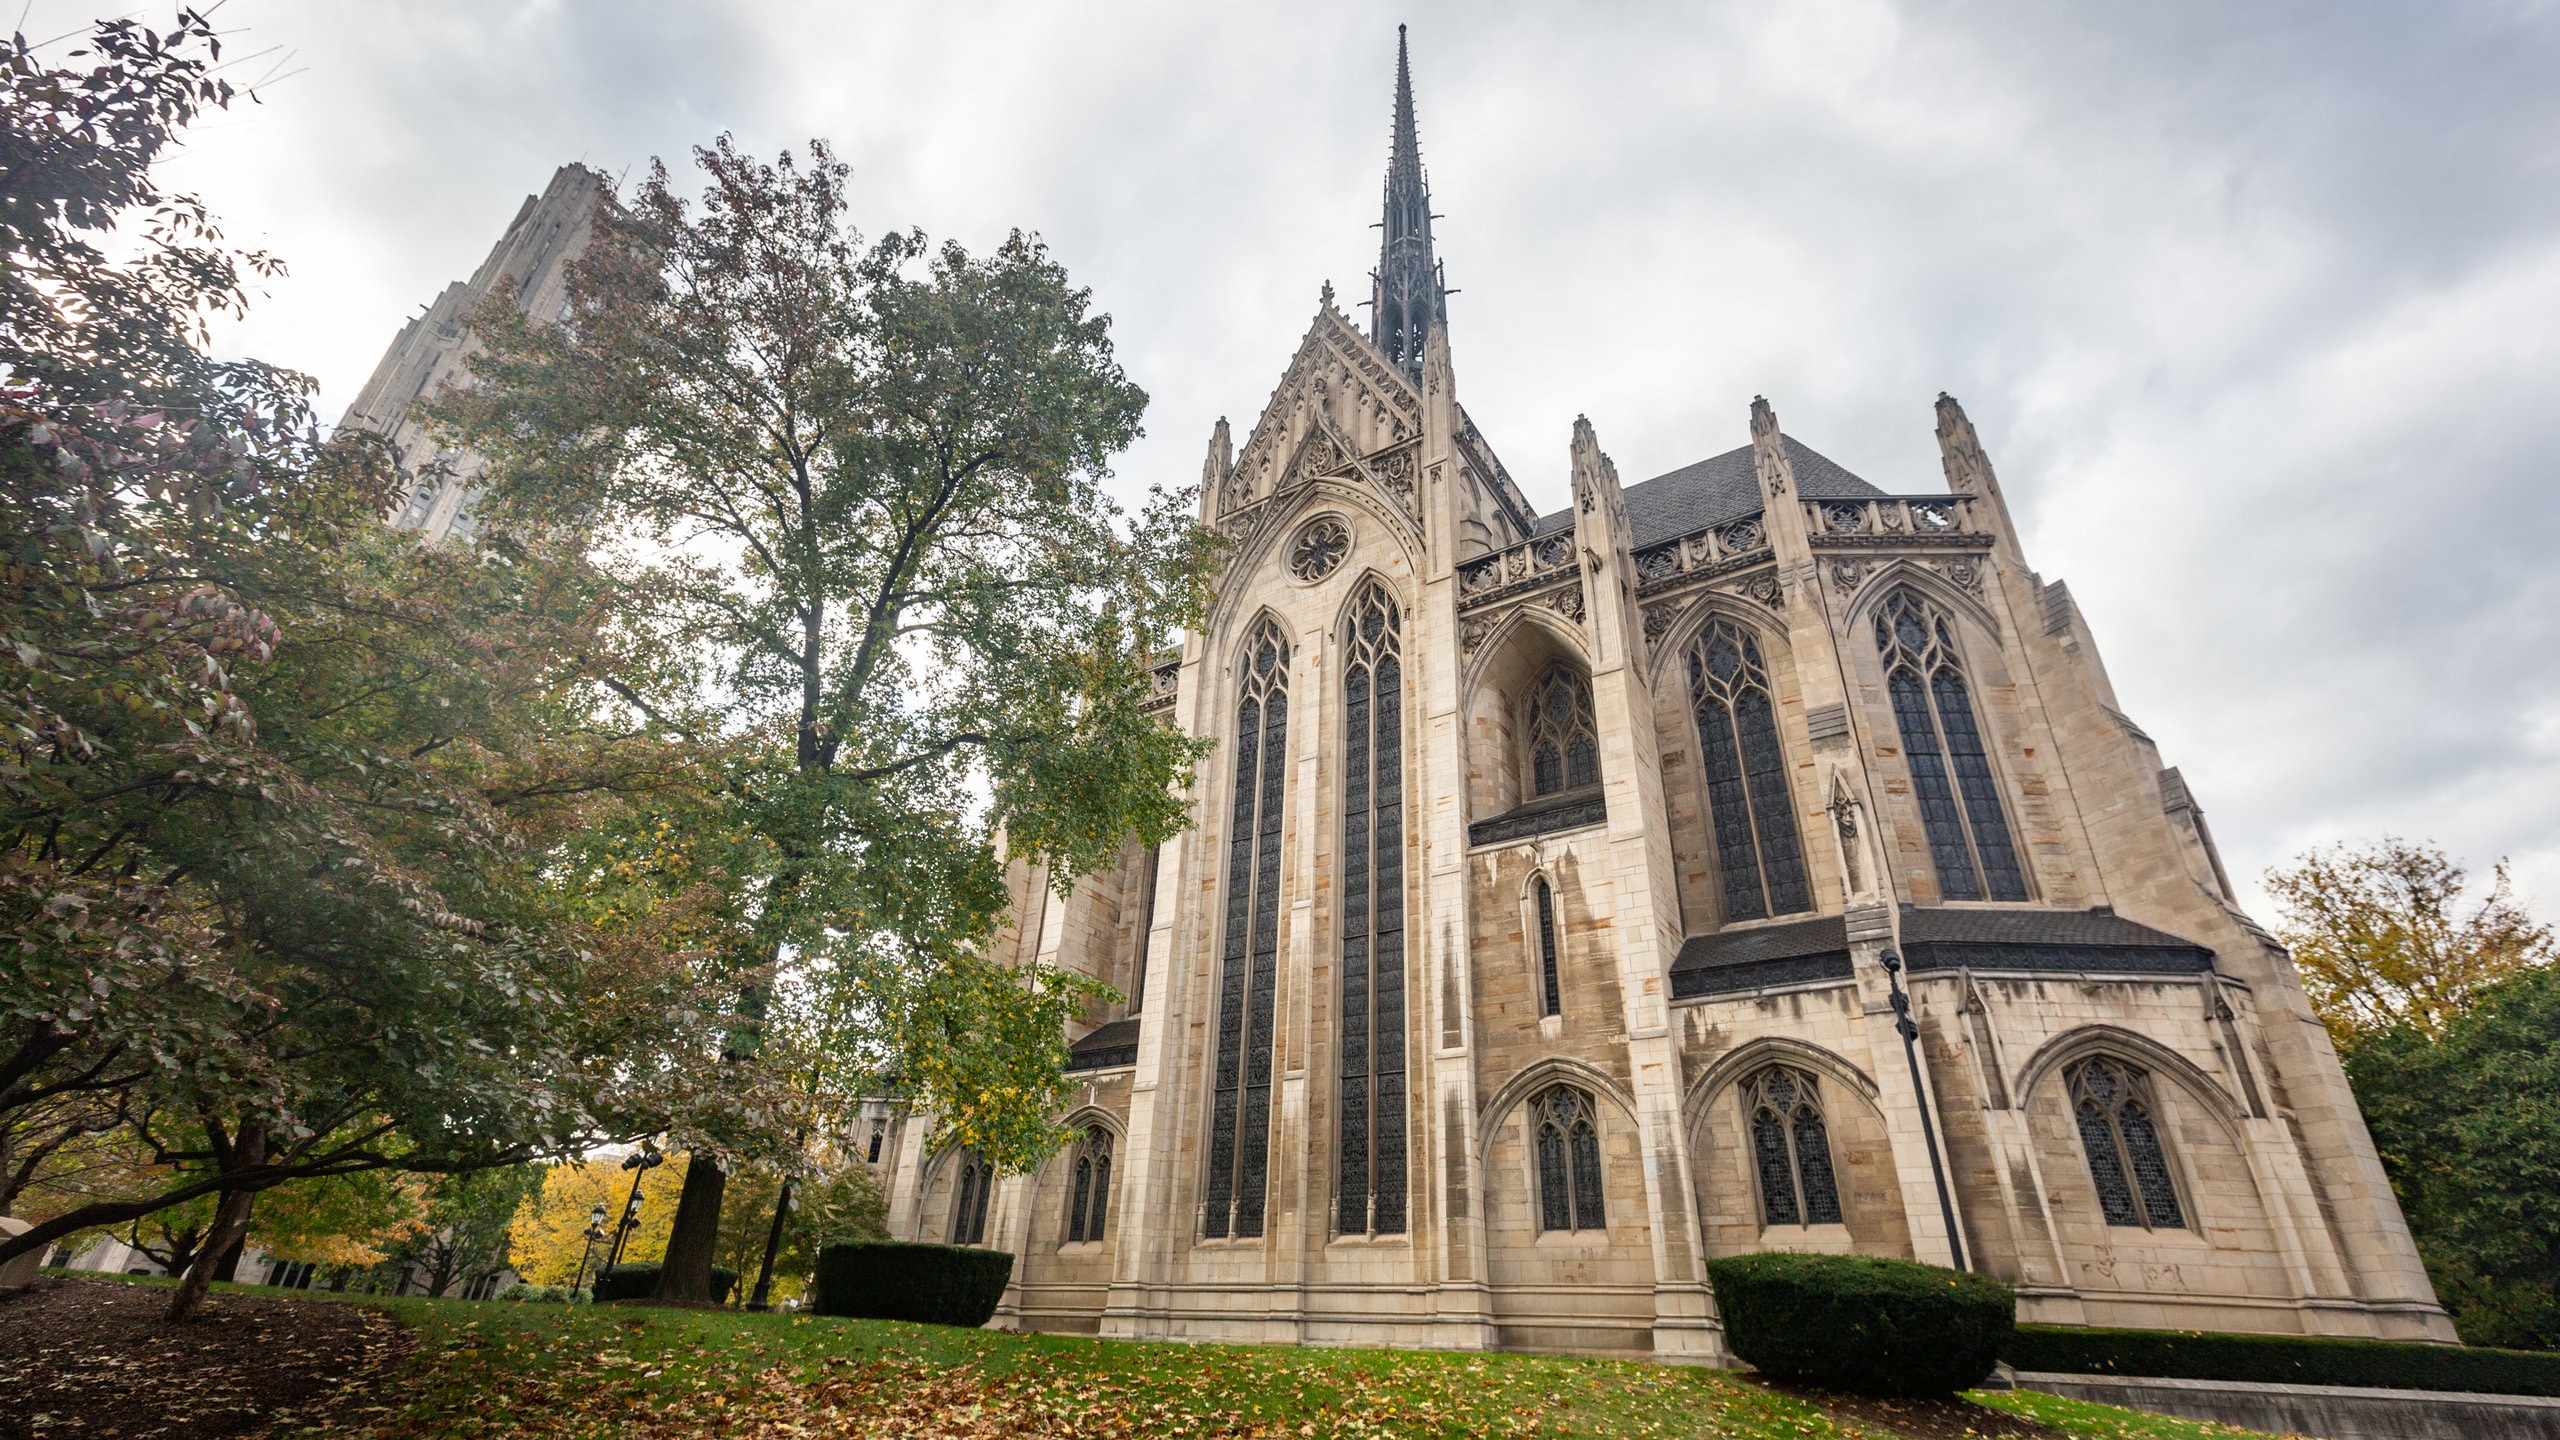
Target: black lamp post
639 1162
763 1297
1909 1030
595 1232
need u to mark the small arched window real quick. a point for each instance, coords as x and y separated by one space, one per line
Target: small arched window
1564 739
2112 1103
1791 1148
969 1204
1089 1195
1568 1161
1968 842
1550 982
1746 770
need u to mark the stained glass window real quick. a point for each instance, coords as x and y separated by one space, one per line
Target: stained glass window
1089 1197
1370 1164
1791 1148
1550 985
1951 775
1564 739
1568 1151
1755 827
1248 958
969 1204
2111 1102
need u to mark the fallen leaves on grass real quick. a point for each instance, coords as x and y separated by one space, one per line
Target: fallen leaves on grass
95 1357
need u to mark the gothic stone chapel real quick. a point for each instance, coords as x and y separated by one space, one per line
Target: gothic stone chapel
1531 946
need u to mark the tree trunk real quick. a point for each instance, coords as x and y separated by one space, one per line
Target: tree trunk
685 1277
230 1228
230 1225
227 1269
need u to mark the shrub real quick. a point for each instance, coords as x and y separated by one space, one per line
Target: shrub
1854 1322
2282 1359
886 1280
640 1281
524 1294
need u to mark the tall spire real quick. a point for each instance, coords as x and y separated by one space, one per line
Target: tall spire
1410 296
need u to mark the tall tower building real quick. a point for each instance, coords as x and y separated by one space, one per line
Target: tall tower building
1552 880
433 350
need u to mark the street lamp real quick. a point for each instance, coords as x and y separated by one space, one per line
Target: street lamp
595 1232
639 1162
1909 1030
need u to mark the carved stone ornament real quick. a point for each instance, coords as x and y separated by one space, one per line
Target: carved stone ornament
1394 469
1658 618
1848 575
1568 603
1964 573
1317 455
1472 633
1319 548
1764 588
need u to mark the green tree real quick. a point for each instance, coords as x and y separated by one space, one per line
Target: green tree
464 1233
280 783
860 488
2468 1125
2442 997
2383 939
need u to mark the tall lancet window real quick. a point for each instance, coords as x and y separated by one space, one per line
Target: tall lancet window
1564 741
1968 841
1372 1164
1746 769
1248 956
1550 983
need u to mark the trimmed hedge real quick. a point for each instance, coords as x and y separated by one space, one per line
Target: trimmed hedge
1860 1323
887 1280
640 1281
2283 1359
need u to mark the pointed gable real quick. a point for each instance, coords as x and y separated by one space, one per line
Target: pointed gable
1339 411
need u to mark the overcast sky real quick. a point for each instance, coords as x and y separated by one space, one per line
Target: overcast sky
2251 303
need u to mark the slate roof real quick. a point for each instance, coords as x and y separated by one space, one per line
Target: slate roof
2060 940
1716 489
1109 1045
2052 941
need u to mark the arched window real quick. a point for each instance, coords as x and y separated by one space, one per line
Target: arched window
1370 1172
969 1204
1550 984
1746 769
1089 1191
2112 1102
1969 843
1564 741
1248 956
1568 1161
1791 1148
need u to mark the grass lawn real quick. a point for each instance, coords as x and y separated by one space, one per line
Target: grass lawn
496 1368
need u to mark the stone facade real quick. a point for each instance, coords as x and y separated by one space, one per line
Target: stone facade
433 350
1436 1038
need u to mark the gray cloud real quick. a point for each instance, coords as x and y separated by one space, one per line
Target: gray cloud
2254 305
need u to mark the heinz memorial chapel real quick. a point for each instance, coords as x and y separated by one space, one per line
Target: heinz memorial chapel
1558 884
